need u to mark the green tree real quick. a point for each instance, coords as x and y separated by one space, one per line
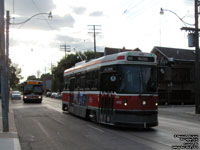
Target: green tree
66 63
15 76
32 77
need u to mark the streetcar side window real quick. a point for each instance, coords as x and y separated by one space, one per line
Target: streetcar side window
66 86
82 82
77 82
94 80
91 80
88 81
72 84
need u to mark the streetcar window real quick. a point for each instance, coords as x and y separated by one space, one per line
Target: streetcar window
66 86
77 83
88 80
137 79
72 84
92 80
82 82
108 81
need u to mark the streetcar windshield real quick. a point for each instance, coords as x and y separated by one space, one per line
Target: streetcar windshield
137 79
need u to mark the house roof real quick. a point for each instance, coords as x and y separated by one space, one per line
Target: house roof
176 53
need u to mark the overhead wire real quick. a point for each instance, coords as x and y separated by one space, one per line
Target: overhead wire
50 26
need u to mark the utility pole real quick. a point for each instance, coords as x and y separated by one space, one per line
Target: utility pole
197 83
66 48
4 82
195 32
7 57
94 34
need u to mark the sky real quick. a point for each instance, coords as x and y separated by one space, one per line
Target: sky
35 45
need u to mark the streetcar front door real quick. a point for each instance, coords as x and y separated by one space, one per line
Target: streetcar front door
107 88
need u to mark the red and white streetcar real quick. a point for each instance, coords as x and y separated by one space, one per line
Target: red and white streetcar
118 89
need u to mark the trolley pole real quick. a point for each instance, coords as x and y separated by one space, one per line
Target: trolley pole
4 82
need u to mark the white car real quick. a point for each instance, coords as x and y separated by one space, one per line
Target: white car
16 95
53 95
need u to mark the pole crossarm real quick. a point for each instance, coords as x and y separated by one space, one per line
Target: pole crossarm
190 29
49 16
162 12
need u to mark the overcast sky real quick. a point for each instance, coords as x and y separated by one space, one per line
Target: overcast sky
35 45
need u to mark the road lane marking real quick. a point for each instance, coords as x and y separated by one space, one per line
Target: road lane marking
95 128
43 129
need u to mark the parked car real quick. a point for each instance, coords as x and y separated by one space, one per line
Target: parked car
48 94
53 94
58 95
16 95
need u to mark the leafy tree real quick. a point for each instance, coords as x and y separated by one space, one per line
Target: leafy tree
15 75
46 76
66 63
32 77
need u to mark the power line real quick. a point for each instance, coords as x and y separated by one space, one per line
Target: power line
50 26
133 6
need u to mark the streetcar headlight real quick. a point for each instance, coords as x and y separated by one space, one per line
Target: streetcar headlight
125 102
156 104
144 102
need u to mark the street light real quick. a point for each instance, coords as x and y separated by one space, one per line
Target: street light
196 42
4 61
162 13
49 16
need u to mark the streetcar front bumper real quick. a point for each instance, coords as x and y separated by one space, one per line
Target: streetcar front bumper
140 119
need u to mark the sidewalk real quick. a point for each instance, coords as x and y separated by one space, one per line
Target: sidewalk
186 112
9 140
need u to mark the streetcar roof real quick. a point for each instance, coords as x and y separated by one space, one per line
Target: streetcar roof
118 58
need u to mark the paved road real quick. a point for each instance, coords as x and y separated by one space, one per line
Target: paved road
45 127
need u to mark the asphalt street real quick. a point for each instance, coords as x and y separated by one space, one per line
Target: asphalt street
46 127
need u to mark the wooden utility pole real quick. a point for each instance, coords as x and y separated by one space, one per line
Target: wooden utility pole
4 81
66 48
195 32
94 34
7 58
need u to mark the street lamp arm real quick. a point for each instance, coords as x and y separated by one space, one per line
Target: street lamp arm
162 12
49 16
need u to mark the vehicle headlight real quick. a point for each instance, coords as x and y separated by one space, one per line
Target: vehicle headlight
25 97
40 97
144 102
125 102
156 104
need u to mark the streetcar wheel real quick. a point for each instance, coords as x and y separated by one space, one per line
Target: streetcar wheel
64 107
